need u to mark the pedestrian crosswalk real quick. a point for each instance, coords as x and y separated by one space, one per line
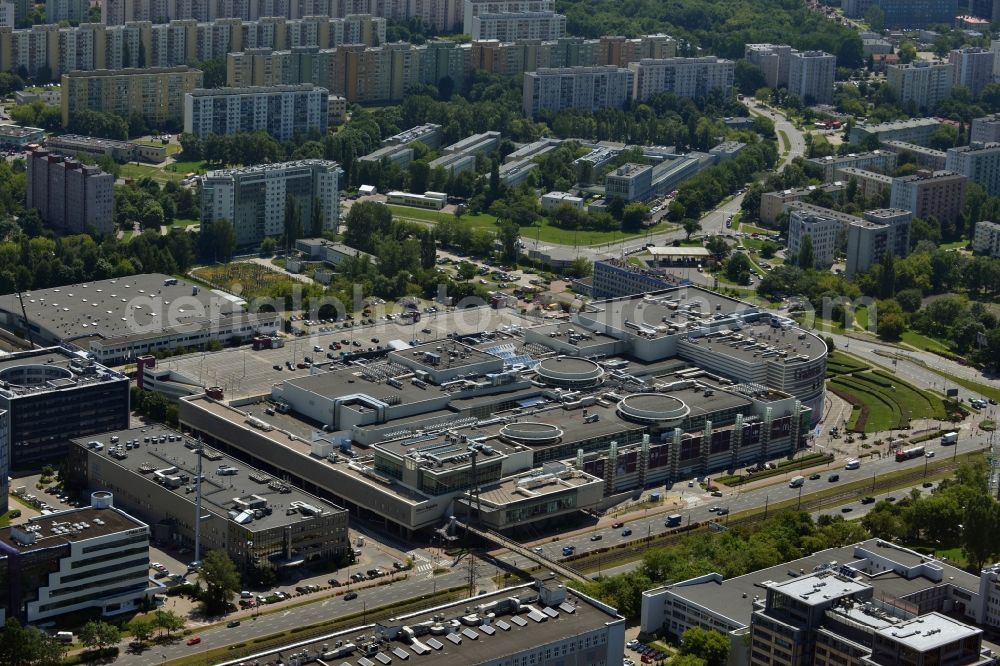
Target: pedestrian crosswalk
424 567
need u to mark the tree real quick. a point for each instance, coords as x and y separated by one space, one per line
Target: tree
365 222
99 635
27 646
581 267
749 77
420 173
687 660
633 215
141 629
711 646
268 246
466 270
508 233
220 241
875 17
221 580
316 220
293 221
691 226
980 530
806 258
719 248
168 621
738 268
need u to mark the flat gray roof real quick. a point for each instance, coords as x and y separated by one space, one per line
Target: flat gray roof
218 491
49 369
452 355
83 523
345 381
928 632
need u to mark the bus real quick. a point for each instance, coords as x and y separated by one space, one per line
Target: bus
909 454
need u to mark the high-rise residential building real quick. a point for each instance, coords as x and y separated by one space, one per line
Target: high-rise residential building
52 395
253 199
473 8
70 196
66 10
620 51
773 59
986 9
881 232
8 15
585 89
810 76
683 77
921 83
987 238
155 93
908 13
279 110
979 162
985 129
973 67
825 228
940 194
519 26
94 558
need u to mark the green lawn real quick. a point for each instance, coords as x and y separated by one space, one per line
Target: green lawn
543 232
750 229
137 171
182 168
184 223
922 342
839 363
955 245
990 391
861 318
885 400
786 144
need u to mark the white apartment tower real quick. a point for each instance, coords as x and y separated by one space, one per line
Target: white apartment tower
684 77
811 75
586 89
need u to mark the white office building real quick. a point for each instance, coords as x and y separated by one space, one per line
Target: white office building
979 162
773 60
987 239
684 77
810 76
519 26
585 89
921 82
281 111
253 198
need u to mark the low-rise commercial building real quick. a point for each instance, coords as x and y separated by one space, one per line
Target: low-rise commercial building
553 200
92 558
328 251
18 136
257 519
427 200
614 278
429 135
631 182
398 154
513 174
119 151
987 238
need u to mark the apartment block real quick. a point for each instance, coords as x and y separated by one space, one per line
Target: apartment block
155 93
772 204
930 193
909 13
826 228
620 51
979 162
810 76
474 8
253 199
683 77
928 158
921 83
987 238
881 231
914 130
94 558
282 111
586 89
870 183
518 26
973 67
8 15
66 10
773 59
70 196
881 161
985 129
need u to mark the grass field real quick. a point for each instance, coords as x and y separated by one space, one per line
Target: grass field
839 363
989 391
544 233
786 144
881 401
247 280
922 342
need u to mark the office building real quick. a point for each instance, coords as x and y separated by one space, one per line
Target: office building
429 135
74 11
51 396
915 130
881 161
542 622
281 111
398 155
119 319
928 158
553 200
881 232
909 13
973 67
773 59
19 136
985 129
927 193
518 26
631 182
253 198
614 278
70 196
473 8
772 204
810 76
258 520
979 162
921 83
586 89
825 228
119 151
329 252
94 558
155 93
683 77
869 183
475 144
865 604
987 239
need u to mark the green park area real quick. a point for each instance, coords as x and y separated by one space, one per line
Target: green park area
245 279
542 231
880 400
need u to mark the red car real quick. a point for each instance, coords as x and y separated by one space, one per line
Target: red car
194 640
617 525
